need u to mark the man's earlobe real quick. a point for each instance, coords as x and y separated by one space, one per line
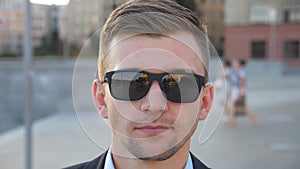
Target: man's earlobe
98 97
207 101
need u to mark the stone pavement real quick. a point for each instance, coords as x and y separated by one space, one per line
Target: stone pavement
274 143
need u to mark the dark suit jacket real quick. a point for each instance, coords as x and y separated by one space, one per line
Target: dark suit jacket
98 163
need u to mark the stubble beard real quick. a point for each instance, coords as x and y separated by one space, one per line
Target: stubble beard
174 145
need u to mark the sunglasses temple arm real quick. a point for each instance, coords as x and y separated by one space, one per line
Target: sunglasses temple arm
97 78
97 75
207 84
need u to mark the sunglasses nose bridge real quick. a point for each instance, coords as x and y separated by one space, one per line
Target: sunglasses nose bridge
155 98
157 78
154 86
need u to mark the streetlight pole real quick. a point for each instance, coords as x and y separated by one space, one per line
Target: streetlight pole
28 74
28 77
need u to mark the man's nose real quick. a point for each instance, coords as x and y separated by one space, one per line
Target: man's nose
155 100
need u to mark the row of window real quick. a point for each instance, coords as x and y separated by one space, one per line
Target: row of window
291 16
290 49
265 13
11 48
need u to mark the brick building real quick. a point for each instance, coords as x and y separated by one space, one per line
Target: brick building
212 12
265 30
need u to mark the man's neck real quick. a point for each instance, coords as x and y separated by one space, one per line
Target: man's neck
177 161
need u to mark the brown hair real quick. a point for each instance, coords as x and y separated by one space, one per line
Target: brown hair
151 18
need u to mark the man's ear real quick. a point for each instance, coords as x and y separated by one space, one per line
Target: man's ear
207 99
98 97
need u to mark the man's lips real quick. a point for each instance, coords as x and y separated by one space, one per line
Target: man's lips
152 129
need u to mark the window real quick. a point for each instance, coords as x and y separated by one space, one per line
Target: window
295 16
221 39
258 49
291 12
286 17
291 49
259 13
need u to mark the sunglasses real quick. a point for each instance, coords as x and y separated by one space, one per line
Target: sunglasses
134 85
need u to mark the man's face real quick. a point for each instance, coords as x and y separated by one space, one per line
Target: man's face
153 128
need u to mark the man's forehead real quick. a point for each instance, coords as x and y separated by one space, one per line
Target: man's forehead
181 38
153 58
179 51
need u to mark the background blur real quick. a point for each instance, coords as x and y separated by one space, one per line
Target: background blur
263 32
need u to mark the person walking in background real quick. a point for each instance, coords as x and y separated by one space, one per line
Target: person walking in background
238 93
227 74
223 82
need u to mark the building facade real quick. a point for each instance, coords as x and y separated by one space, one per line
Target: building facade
11 27
76 22
212 12
83 19
12 13
42 22
79 20
264 30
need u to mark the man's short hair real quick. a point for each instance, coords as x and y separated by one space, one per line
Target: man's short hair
154 18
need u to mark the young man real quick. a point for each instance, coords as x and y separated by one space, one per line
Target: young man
152 85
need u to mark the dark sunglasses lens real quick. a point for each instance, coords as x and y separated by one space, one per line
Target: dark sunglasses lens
129 85
181 87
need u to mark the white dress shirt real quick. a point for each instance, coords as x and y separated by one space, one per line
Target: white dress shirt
110 165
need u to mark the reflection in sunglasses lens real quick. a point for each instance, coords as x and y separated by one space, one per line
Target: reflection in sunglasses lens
138 86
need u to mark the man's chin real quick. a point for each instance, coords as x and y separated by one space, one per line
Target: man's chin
159 153
160 157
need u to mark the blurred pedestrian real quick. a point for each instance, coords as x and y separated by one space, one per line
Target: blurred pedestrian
238 94
223 82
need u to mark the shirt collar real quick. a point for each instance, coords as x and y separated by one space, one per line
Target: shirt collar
110 165
109 161
189 163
